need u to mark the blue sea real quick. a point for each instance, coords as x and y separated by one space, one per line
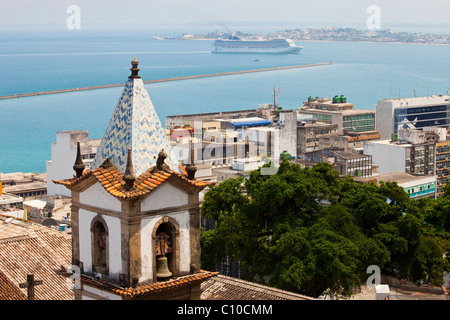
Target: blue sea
43 60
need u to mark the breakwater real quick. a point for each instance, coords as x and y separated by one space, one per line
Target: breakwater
22 95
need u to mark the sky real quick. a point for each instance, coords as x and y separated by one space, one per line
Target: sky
220 13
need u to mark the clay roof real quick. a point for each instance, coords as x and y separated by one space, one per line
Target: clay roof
112 180
8 290
147 289
30 248
226 288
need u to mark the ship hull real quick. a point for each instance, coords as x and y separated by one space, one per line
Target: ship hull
260 47
255 50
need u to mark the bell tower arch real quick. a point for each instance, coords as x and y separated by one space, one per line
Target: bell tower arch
166 243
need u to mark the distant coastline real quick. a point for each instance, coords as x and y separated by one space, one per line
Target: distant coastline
330 34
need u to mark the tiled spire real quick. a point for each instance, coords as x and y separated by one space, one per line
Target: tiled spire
135 125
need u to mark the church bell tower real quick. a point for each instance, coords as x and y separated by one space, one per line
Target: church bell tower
135 214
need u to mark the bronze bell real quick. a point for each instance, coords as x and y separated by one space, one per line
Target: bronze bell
162 268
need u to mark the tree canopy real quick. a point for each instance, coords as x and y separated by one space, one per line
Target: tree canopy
307 230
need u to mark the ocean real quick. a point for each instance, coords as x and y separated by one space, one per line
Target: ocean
43 60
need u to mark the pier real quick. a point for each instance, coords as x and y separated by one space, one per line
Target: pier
22 95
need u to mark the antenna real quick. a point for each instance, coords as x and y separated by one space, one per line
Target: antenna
447 91
415 95
276 90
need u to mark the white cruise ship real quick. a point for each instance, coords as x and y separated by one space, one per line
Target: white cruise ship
237 45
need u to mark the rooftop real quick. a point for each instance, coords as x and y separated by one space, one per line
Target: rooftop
348 155
329 106
112 179
222 287
19 177
399 177
346 112
30 248
147 289
419 100
8 290
7 198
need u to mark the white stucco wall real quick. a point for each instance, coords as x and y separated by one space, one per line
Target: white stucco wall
114 245
84 227
103 294
147 226
388 157
165 196
85 218
384 118
60 167
97 196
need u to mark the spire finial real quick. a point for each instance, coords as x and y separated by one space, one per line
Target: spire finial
134 69
191 169
129 176
160 165
79 165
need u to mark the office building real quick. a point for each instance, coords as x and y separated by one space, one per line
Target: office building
411 113
339 111
413 152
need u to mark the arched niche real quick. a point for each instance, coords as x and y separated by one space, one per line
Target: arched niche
171 229
100 246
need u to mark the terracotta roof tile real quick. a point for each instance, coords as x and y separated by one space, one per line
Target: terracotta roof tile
148 289
112 180
226 288
8 290
31 248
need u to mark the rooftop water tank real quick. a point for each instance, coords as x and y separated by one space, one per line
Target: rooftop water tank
285 155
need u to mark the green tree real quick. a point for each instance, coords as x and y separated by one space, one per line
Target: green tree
308 231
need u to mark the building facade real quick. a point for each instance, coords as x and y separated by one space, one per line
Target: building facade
442 166
310 135
411 113
416 186
397 156
64 151
340 112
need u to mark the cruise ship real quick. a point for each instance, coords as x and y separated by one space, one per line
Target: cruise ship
236 45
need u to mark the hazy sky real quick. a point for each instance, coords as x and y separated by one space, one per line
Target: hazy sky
216 13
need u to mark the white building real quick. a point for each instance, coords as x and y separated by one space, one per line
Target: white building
63 157
416 186
411 113
413 152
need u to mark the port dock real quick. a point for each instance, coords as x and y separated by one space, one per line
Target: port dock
22 95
